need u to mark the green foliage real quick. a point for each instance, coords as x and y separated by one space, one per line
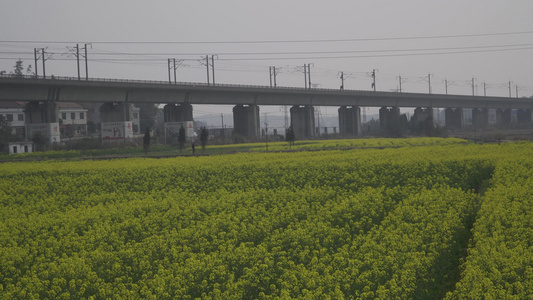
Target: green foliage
204 135
146 141
289 136
17 69
389 223
6 135
181 138
147 115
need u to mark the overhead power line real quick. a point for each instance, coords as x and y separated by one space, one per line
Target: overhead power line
442 50
279 41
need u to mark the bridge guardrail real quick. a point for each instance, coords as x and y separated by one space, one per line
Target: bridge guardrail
196 84
65 78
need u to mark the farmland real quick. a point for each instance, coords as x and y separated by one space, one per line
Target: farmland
429 220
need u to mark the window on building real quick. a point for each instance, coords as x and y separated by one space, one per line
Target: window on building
15 150
135 115
21 117
82 116
64 116
9 117
73 116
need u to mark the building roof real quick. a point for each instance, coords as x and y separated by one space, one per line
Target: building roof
68 105
12 104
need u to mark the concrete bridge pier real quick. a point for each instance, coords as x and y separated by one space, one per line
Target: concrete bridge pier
422 114
176 116
480 117
41 120
246 120
523 116
454 118
503 117
177 112
388 117
303 121
350 121
116 125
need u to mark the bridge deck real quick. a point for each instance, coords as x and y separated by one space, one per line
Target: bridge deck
110 90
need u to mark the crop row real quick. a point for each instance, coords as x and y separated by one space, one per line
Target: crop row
390 223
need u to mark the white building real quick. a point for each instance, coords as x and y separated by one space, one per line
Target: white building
72 119
20 147
14 113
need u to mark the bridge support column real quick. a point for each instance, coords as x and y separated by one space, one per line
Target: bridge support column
41 120
116 122
454 118
177 112
246 120
422 114
303 121
350 121
523 116
480 117
503 117
388 117
176 116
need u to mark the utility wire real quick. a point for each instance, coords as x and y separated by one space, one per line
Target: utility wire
280 41
432 51
307 52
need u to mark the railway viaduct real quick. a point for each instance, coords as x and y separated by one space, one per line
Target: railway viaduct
41 95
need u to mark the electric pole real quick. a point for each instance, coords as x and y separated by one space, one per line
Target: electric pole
78 60
174 67
266 135
168 67
446 85
35 52
76 52
429 82
510 89
374 79
86 62
342 80
273 72
305 75
44 59
207 66
473 87
222 134
400 81
484 89
516 90
309 74
213 67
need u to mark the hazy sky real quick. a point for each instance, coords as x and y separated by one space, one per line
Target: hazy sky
457 40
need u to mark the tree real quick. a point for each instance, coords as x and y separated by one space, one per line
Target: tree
5 131
203 137
181 138
147 115
289 136
146 141
17 72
